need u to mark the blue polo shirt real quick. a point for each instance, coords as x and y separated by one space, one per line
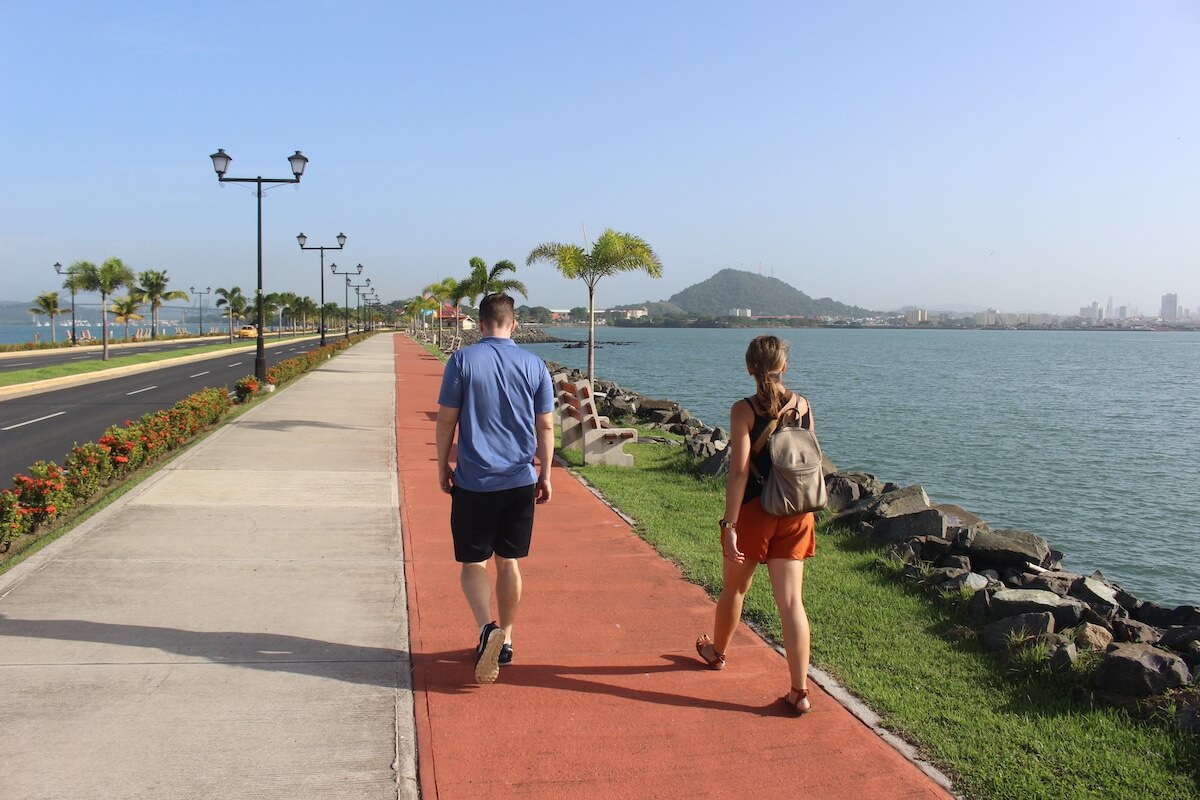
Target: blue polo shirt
497 388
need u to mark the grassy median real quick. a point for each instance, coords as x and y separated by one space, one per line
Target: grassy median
117 360
999 732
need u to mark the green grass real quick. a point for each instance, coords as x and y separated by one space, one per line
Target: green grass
85 367
1000 730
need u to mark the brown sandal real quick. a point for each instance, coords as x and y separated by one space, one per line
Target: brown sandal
717 661
794 704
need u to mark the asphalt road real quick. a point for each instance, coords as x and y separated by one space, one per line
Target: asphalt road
35 359
46 426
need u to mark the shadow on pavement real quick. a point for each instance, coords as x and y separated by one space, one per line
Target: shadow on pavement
266 651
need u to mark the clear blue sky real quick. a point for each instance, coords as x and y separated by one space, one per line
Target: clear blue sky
1021 155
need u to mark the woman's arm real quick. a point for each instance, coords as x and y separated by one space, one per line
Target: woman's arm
741 420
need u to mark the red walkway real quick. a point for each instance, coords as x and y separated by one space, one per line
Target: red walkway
605 698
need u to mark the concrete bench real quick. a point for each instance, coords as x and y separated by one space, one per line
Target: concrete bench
583 428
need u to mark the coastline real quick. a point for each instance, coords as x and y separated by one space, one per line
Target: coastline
1013 583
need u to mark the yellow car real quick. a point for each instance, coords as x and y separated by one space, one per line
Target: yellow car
247 332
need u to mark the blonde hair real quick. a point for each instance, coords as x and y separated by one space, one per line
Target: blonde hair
765 358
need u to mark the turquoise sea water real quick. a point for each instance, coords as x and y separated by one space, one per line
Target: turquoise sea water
17 334
1089 439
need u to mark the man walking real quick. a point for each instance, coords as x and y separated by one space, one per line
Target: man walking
500 399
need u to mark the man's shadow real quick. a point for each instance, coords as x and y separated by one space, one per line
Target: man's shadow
263 651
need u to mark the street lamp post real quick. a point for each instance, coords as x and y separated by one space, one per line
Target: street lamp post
356 271
341 240
221 161
355 287
207 290
71 283
367 297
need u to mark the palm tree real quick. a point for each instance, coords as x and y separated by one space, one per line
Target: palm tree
483 281
235 305
152 289
305 307
287 302
418 307
333 315
125 309
613 252
47 303
441 292
105 279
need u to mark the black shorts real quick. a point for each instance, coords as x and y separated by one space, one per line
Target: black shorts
483 523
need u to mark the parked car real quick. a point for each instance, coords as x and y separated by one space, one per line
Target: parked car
248 332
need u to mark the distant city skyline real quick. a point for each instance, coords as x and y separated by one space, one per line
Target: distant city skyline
1024 156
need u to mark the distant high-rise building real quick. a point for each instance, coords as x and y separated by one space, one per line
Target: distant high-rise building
1123 312
1170 308
1108 309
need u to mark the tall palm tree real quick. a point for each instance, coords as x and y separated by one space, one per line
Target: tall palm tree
105 279
483 281
271 305
125 309
306 307
418 307
441 292
235 305
287 303
47 303
152 289
613 252
333 316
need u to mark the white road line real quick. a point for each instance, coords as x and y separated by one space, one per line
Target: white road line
80 358
22 364
139 391
30 422
236 364
198 374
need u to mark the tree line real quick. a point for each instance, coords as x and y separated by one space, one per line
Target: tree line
150 288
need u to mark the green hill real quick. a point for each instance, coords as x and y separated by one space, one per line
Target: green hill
732 288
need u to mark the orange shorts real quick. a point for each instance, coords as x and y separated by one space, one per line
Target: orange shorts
761 536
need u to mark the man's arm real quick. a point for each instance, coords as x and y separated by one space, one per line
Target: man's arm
447 421
544 423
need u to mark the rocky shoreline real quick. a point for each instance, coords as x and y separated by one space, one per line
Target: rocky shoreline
1013 582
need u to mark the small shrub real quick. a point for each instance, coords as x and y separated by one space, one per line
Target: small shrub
125 449
12 522
246 388
43 493
88 469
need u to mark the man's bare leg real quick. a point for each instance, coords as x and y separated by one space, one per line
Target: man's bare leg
508 592
477 588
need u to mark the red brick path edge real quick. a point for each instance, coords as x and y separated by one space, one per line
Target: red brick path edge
606 698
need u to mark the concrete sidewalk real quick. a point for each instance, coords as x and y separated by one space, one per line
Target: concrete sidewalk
235 626
605 696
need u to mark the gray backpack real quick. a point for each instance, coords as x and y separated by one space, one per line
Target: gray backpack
796 482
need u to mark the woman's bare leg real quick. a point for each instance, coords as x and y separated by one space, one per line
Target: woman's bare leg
737 580
787 580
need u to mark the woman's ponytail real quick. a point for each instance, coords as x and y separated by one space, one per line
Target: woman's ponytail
765 358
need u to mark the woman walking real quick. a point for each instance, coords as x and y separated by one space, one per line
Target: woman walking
750 536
